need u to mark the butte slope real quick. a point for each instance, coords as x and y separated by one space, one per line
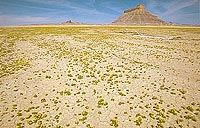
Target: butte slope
139 16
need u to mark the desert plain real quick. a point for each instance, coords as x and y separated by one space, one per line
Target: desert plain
98 76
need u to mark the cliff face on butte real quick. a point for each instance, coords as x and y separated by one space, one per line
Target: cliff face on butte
139 16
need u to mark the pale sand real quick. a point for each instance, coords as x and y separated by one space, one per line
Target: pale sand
118 79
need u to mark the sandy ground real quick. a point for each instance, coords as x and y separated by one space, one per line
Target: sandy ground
99 76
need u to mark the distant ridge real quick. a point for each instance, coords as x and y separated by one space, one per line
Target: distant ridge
139 16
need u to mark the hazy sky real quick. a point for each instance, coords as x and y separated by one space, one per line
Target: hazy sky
13 12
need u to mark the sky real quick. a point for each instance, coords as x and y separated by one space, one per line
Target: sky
19 12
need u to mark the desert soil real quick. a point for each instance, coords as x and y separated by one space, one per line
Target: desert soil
99 76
